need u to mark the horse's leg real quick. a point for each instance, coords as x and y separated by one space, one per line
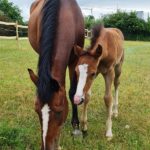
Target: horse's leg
73 86
84 113
116 85
109 77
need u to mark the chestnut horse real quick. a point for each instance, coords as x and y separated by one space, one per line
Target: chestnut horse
105 56
54 27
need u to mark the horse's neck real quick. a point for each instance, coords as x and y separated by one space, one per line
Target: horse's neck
60 62
65 39
59 69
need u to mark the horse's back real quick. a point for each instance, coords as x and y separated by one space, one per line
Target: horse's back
69 13
118 31
71 21
113 33
34 24
112 41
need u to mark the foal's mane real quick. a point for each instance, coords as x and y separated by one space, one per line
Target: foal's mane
46 84
96 32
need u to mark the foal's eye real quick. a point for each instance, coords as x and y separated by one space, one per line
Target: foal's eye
93 75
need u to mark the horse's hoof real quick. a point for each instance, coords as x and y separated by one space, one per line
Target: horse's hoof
59 148
115 115
109 136
76 132
84 133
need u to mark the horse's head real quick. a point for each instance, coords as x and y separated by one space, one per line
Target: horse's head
86 70
51 115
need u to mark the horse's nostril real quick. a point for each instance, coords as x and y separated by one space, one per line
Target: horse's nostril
82 100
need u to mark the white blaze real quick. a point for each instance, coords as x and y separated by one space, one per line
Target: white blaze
45 118
82 79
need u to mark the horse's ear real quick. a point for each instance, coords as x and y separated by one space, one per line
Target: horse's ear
98 51
78 50
33 77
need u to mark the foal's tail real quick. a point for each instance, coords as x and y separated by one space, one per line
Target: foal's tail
46 84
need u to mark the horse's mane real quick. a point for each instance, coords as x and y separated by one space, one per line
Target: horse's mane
46 84
96 32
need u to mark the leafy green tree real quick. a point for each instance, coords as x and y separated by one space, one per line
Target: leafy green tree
132 26
3 17
148 24
89 21
11 11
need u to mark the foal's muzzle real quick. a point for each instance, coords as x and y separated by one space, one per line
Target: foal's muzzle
78 100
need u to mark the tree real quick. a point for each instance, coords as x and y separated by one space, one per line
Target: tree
89 20
3 17
132 26
11 11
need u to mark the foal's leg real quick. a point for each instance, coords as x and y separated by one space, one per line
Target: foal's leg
84 113
116 85
109 77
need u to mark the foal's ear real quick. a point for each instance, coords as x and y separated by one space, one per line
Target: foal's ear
33 77
98 51
78 50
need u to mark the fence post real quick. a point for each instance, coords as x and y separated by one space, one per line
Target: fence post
17 34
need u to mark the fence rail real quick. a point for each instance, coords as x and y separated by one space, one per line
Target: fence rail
88 33
17 26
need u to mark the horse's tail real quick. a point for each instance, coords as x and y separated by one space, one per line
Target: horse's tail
46 84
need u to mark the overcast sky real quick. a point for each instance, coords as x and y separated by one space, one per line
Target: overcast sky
99 6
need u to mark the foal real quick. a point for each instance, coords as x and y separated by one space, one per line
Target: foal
105 56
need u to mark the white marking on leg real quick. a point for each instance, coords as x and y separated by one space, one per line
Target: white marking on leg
109 124
82 79
109 128
115 106
45 118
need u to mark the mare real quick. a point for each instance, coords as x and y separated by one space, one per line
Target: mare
55 26
105 56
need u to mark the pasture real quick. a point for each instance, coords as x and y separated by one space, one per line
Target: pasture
19 125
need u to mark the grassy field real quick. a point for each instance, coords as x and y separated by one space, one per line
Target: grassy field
19 125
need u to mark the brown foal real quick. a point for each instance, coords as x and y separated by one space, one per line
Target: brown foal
105 56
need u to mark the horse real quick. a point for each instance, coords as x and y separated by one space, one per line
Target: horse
55 26
104 56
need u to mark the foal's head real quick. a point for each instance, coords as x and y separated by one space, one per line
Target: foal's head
51 115
86 70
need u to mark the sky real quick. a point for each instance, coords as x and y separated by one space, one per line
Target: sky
99 7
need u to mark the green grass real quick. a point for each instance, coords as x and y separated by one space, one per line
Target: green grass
19 125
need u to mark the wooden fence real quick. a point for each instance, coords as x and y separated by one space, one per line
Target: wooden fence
17 26
88 33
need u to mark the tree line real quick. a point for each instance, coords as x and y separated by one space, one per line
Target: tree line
133 27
